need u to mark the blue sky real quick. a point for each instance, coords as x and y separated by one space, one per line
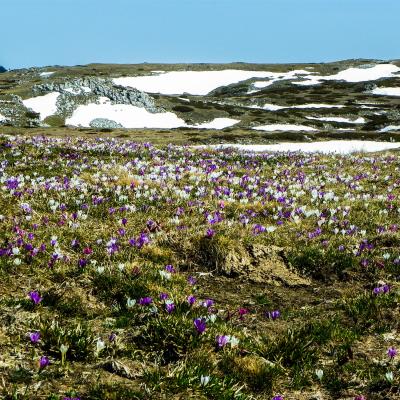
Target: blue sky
70 32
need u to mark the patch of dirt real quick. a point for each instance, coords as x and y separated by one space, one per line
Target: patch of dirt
260 264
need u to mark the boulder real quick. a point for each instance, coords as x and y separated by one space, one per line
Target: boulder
102 123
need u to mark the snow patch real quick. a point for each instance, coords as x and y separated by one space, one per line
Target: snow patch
2 118
197 82
387 91
331 146
316 105
46 74
127 115
217 123
390 128
355 75
284 127
44 105
359 120
272 107
275 107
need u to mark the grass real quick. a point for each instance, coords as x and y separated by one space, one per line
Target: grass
114 236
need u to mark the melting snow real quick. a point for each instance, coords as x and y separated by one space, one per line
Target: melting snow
284 127
332 146
387 91
217 123
136 117
197 82
359 120
46 74
390 128
263 84
44 105
355 75
272 107
127 115
2 118
316 105
275 107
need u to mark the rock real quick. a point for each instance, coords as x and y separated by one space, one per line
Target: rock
116 367
2 69
87 90
256 262
104 123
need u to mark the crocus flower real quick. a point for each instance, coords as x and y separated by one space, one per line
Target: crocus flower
222 340
273 314
200 325
392 352
210 233
204 380
170 268
169 306
35 297
112 337
43 362
87 250
360 397
163 296
207 303
192 280
278 397
145 301
191 300
34 337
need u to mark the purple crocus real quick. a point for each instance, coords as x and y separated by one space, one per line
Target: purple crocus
35 297
43 362
191 300
273 314
392 352
34 337
207 303
169 307
170 268
112 337
200 325
360 397
163 296
145 301
192 280
210 233
242 312
278 397
222 340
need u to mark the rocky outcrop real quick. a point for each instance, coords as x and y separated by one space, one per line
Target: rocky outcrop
16 114
104 123
90 89
2 69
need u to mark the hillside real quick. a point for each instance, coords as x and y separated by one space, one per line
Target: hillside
208 102
132 271
200 231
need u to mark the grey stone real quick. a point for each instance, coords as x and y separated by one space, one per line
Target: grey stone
104 123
